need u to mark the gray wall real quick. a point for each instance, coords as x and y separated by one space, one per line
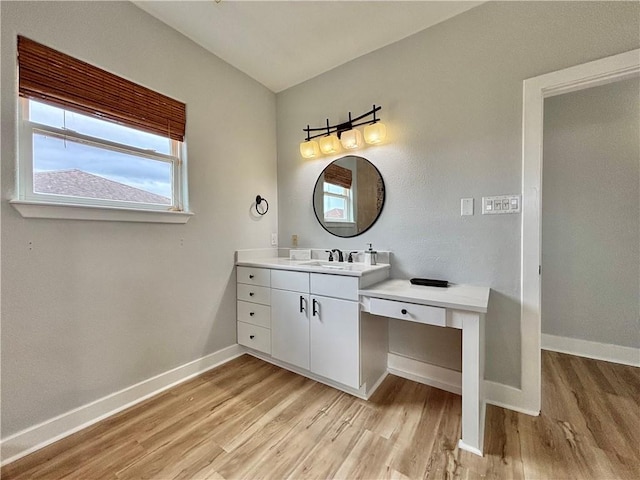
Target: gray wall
98 306
452 103
591 215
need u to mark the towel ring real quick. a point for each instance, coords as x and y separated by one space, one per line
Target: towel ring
259 200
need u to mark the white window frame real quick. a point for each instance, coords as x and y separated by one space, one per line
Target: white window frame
349 203
34 205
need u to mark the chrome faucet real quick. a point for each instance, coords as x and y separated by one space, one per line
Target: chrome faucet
340 256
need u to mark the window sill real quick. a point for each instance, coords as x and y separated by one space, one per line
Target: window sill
30 209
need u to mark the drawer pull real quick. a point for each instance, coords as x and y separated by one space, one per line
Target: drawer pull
250 276
251 337
251 314
251 294
404 311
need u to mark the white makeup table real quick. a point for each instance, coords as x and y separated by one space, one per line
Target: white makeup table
458 306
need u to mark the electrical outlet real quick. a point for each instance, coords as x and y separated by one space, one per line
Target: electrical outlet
274 239
294 240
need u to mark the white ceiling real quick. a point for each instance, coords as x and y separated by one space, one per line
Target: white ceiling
283 43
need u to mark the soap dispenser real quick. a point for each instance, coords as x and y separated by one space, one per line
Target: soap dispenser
370 256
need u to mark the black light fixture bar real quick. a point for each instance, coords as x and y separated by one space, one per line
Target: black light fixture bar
343 127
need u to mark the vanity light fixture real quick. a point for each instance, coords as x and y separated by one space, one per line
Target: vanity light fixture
351 139
309 148
332 136
330 143
375 133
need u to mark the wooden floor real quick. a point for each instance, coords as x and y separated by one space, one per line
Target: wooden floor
250 419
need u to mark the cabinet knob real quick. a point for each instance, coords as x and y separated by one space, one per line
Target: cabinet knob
251 314
404 311
251 337
250 276
251 294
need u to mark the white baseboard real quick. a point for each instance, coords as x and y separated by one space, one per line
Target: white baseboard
439 377
498 394
598 351
506 396
34 438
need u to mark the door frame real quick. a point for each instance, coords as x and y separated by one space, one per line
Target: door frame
535 90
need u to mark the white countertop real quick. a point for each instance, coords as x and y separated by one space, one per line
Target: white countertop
461 297
280 263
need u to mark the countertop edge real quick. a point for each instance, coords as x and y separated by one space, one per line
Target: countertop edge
267 263
457 303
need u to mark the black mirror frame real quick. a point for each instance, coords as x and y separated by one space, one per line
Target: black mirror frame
384 199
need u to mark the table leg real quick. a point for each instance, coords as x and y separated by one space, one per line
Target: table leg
473 404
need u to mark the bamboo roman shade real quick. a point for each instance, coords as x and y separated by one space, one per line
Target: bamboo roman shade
51 76
337 175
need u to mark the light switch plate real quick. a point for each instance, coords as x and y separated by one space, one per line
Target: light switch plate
501 204
466 206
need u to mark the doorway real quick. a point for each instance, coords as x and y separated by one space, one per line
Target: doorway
591 222
535 90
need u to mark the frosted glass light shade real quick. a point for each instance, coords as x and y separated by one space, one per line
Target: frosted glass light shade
329 144
351 139
309 149
375 133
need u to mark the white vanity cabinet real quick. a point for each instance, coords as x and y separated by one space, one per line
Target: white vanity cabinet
314 324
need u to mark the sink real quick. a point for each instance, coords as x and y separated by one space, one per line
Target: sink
324 264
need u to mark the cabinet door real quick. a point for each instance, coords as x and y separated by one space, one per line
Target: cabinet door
335 339
290 327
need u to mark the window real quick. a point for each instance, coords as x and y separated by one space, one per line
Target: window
88 137
338 194
338 203
72 158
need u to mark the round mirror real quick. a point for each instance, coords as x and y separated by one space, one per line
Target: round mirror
348 196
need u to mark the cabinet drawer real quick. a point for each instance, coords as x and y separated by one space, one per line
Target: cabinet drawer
286 280
336 286
254 314
252 336
412 311
254 276
251 293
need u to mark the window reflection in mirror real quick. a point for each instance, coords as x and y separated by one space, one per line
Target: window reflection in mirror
348 196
